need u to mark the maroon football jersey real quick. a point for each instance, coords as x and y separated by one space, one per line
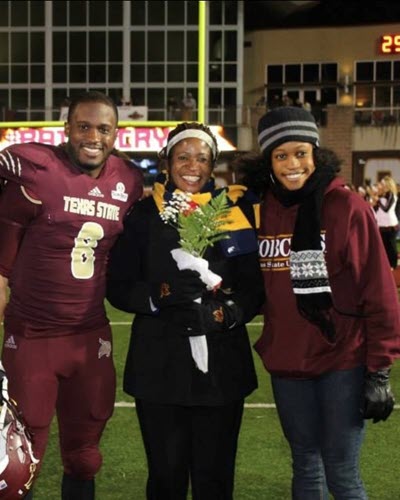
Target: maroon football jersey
58 278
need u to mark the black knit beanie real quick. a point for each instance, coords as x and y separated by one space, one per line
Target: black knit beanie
284 124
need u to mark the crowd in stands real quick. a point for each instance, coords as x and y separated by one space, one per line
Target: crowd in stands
278 101
383 197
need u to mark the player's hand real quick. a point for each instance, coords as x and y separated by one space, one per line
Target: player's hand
379 399
3 295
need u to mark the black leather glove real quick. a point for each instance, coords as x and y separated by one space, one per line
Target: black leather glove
379 399
199 319
181 287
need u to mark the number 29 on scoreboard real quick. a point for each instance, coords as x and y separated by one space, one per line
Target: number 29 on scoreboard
389 44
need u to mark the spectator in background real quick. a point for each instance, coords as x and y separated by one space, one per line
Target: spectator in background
64 109
124 101
188 106
275 102
331 318
385 209
368 193
365 192
397 211
172 108
317 112
362 192
286 100
261 102
372 193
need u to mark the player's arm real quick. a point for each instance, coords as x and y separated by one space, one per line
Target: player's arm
17 209
3 295
18 162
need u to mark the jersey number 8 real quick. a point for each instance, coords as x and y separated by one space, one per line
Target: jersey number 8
82 255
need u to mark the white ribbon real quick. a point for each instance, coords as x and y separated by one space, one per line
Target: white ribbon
185 260
199 349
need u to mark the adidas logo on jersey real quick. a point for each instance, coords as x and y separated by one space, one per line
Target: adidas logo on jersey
10 343
96 192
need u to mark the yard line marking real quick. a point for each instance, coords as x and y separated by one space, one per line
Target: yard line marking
126 404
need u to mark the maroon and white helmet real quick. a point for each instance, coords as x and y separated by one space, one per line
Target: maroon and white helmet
17 464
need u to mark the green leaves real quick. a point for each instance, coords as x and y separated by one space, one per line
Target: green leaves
203 226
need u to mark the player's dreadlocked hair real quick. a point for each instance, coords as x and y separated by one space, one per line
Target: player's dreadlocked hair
92 96
165 153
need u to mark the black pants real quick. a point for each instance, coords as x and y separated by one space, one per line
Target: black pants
389 241
196 444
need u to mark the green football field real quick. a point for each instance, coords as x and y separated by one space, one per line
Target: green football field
263 463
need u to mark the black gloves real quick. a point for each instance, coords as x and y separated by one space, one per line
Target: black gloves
178 288
379 399
199 319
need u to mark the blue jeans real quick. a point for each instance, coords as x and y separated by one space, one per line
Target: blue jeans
322 422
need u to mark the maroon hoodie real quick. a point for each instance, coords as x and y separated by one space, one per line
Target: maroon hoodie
366 309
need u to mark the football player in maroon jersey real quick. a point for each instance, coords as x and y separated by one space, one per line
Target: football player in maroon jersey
60 213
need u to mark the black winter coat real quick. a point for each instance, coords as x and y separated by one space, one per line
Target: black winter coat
159 365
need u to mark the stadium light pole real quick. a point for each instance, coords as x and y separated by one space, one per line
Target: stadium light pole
202 63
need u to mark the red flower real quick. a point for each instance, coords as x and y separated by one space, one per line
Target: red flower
193 206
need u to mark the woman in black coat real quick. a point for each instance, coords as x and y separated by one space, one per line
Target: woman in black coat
189 408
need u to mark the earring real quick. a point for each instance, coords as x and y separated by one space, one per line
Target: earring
272 178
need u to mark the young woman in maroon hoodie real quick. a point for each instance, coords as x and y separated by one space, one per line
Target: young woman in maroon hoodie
331 317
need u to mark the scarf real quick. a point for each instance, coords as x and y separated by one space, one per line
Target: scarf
308 271
242 237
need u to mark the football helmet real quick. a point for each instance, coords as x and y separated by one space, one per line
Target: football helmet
17 463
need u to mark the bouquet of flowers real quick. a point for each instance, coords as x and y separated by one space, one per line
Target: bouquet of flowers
199 226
